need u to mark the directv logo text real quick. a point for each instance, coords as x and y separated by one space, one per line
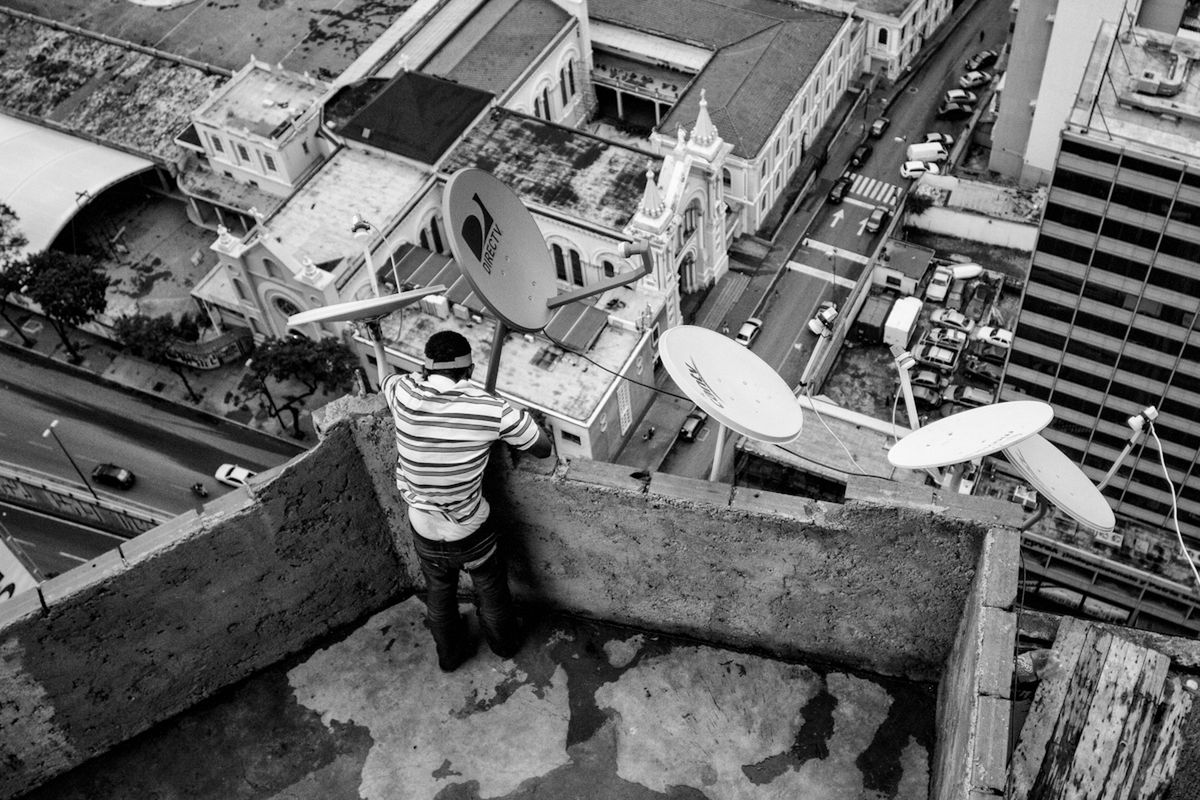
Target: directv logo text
703 384
482 235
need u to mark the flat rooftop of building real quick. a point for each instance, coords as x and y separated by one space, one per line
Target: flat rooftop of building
263 100
559 169
891 8
112 94
583 710
321 38
498 44
315 222
1108 107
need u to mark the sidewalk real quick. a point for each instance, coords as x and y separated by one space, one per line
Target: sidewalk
217 388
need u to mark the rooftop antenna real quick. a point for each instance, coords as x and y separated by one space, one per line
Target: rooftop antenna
731 383
504 258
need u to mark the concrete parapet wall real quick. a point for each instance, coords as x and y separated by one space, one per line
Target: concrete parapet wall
975 693
975 227
108 649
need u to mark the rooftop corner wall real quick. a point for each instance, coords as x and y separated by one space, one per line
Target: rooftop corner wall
108 649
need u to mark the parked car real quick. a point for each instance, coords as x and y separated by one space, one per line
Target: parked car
939 284
233 475
947 337
930 379
114 476
822 321
692 424
749 331
915 169
861 154
988 352
925 396
967 395
955 111
944 139
961 96
837 192
879 126
984 58
977 368
949 318
992 335
937 357
975 78
878 218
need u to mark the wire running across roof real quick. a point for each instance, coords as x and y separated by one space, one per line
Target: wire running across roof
46 177
575 326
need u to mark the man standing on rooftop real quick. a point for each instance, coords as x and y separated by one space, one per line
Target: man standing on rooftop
445 427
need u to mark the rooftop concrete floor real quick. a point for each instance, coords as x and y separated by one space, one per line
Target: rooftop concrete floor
584 710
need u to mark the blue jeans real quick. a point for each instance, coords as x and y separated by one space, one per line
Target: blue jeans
441 563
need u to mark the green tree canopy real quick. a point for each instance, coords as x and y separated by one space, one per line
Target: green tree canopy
325 364
152 338
70 289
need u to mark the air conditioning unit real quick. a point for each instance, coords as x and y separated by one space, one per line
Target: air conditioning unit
436 305
461 312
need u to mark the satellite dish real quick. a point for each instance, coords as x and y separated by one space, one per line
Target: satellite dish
731 383
1061 482
500 249
373 307
970 434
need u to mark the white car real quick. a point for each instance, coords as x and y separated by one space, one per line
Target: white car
937 357
990 334
961 96
949 318
967 395
233 475
915 169
947 337
822 322
944 139
939 285
975 78
748 332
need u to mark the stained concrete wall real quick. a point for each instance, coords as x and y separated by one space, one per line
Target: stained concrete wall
975 693
107 650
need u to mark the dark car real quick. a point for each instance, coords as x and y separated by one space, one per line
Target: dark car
861 154
879 126
878 218
979 369
988 352
837 193
984 58
114 476
955 110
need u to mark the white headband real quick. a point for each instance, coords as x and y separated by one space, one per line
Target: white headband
459 363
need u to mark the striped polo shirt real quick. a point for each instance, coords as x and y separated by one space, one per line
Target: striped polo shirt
444 432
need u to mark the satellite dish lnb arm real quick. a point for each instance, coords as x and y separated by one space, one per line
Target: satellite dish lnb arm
627 249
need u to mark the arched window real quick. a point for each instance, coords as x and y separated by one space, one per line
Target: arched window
560 266
286 307
576 269
691 218
727 179
546 101
271 267
424 239
883 36
240 288
571 76
609 269
537 107
436 232
562 86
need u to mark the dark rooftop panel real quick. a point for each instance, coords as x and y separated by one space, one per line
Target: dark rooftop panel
498 44
417 116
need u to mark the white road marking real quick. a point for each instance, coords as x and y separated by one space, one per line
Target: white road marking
73 557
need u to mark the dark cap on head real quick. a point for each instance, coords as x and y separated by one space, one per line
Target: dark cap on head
447 350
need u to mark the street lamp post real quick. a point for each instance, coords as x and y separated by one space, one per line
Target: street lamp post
49 432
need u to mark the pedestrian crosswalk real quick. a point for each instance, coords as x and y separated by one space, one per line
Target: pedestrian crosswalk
880 192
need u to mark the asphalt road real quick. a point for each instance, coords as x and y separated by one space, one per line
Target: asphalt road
55 545
166 447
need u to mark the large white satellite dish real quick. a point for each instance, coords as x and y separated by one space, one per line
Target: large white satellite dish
1052 474
970 434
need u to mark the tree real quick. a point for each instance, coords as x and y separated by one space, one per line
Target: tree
70 289
325 364
152 338
13 268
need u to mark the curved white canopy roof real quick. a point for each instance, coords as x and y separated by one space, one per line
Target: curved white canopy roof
47 176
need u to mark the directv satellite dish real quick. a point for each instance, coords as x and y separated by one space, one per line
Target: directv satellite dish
500 249
735 387
1052 474
371 308
970 434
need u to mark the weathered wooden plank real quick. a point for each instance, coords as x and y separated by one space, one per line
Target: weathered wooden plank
1158 768
1051 780
1138 730
1043 715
